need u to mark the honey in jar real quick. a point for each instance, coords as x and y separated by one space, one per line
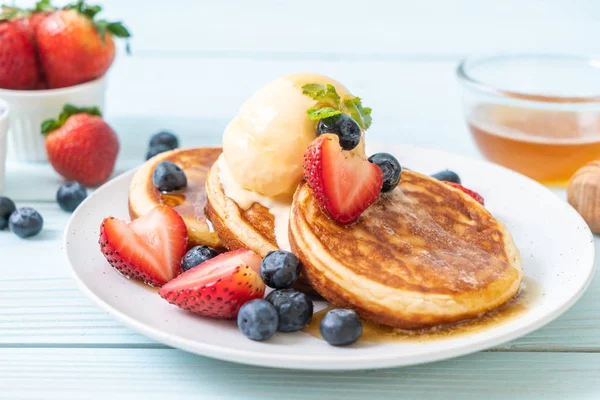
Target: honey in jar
546 145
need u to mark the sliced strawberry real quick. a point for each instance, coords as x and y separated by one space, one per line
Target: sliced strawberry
217 288
149 249
470 192
344 183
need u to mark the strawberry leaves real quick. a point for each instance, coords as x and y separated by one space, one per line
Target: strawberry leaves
103 26
329 103
50 125
43 6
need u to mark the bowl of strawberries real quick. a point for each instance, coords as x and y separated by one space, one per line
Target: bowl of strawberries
50 57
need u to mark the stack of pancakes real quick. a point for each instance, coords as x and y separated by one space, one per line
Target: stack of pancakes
423 255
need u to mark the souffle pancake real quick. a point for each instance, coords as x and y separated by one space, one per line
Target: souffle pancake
189 202
422 255
251 226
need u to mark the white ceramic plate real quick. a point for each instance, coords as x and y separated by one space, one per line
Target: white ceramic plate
556 246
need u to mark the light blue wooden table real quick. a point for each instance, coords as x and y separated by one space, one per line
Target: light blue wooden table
194 63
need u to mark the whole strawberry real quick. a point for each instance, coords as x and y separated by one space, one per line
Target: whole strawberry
81 146
73 47
18 62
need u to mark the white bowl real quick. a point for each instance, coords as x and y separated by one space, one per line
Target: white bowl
29 108
4 113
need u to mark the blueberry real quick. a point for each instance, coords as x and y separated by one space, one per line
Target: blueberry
168 177
341 327
7 207
70 195
157 149
391 170
295 309
165 138
25 222
447 175
279 269
344 126
196 256
258 319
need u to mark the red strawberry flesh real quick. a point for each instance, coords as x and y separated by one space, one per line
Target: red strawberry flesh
149 249
476 196
344 183
218 287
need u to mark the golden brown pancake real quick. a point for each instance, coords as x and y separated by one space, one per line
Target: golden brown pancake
189 202
253 228
422 255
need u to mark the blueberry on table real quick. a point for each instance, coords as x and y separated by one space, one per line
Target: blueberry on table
295 309
25 222
344 126
447 175
164 138
7 207
280 269
196 256
157 149
391 170
258 319
70 195
341 327
168 177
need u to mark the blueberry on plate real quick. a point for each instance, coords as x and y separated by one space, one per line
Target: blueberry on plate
196 256
447 175
391 170
258 319
165 138
157 149
168 177
344 126
7 207
70 195
279 269
341 327
295 309
25 222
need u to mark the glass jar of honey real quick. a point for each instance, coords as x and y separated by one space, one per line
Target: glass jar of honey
536 114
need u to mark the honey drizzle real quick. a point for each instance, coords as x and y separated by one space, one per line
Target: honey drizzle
529 293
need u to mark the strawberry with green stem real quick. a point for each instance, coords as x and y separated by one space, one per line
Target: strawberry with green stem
80 145
75 47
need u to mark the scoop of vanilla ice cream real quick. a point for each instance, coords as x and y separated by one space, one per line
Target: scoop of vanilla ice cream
265 143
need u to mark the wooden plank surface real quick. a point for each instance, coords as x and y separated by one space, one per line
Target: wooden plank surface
194 63
171 374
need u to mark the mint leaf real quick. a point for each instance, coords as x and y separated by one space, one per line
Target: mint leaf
321 113
329 104
353 107
323 93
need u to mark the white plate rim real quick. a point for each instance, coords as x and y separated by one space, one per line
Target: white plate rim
310 362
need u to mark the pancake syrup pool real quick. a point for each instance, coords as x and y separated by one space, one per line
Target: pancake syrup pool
546 145
528 295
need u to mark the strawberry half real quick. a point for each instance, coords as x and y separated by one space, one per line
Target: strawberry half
470 192
344 183
149 249
217 288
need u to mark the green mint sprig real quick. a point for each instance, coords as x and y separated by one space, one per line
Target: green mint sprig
329 103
